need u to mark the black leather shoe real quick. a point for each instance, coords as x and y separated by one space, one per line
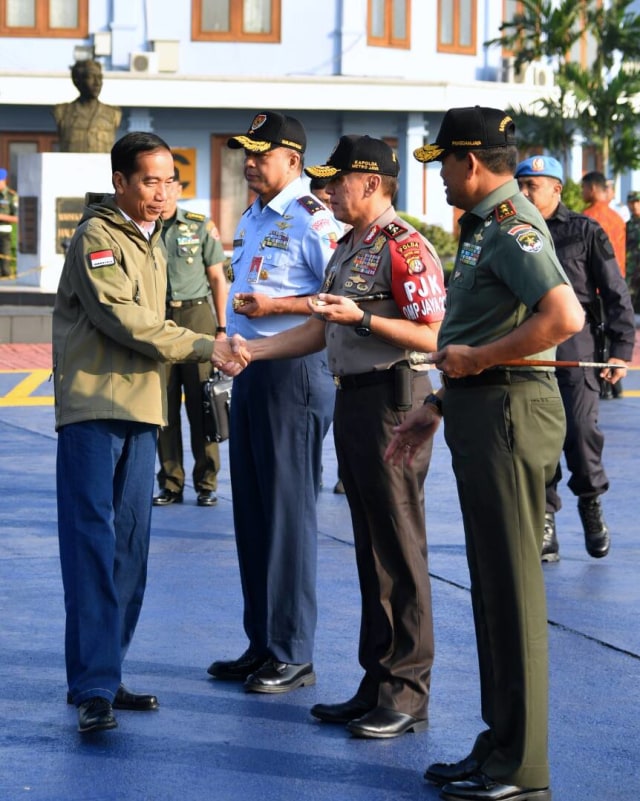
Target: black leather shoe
167 497
481 787
342 713
385 723
95 714
125 699
596 533
445 772
207 498
138 702
279 677
236 669
550 547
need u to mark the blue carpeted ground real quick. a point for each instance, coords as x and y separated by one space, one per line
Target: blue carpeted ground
211 741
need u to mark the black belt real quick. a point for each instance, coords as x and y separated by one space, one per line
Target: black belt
186 304
495 378
363 379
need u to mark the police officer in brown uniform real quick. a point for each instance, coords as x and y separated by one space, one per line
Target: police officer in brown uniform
194 270
368 347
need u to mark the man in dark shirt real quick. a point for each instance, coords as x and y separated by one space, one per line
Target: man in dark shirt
586 253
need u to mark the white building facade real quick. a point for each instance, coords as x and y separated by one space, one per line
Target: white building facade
196 71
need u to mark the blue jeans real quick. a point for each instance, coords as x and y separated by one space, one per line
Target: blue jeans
105 475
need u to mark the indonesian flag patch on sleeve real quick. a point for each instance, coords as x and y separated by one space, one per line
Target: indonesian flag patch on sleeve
101 258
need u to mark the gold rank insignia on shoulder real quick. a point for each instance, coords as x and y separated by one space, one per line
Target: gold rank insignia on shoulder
505 211
311 204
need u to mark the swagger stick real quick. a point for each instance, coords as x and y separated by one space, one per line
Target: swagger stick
427 358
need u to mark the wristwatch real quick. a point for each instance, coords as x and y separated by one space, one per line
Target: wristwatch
434 400
363 328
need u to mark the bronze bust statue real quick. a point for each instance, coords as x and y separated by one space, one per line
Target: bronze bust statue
86 125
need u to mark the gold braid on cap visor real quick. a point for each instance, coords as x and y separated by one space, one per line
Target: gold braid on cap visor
322 171
428 152
252 145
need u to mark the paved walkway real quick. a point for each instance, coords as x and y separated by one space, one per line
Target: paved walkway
212 742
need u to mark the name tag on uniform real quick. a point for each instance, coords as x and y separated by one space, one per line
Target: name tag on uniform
254 269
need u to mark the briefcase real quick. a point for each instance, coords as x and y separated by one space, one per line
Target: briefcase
216 404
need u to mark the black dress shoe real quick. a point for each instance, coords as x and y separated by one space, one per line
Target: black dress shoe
236 669
207 498
342 713
279 677
167 497
445 772
125 699
138 702
385 723
95 714
481 787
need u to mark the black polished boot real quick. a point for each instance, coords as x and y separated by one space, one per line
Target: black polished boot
596 533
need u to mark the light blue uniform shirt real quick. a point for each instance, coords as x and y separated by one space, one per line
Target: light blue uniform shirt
280 250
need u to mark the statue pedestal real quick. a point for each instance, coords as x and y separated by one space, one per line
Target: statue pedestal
51 188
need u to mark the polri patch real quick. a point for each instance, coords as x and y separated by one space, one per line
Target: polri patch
410 252
101 258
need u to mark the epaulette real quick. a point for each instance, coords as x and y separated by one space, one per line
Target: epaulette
505 211
393 230
192 215
311 204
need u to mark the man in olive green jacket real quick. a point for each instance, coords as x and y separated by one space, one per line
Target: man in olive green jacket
110 339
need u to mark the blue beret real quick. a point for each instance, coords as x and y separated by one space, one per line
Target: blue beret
3 174
540 165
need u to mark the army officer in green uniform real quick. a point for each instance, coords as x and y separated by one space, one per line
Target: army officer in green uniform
508 298
195 271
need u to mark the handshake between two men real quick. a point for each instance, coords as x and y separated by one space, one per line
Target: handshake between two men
234 354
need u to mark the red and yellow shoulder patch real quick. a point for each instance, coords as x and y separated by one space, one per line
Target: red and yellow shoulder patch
417 282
